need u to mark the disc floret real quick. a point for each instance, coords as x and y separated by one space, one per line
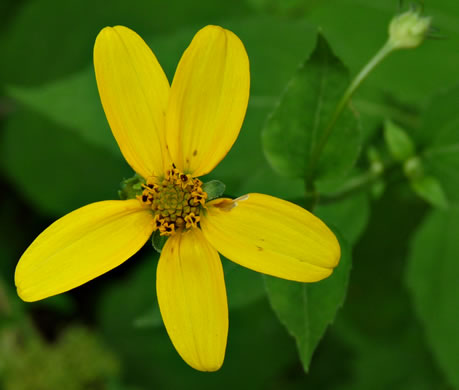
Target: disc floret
176 201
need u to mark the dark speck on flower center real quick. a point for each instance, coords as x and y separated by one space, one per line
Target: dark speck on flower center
175 200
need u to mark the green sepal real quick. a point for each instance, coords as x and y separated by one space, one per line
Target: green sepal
131 188
214 189
399 143
158 241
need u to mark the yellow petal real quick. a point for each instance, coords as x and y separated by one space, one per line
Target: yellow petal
208 100
134 92
81 246
271 236
192 299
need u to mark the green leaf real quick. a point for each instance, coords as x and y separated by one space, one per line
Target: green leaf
298 123
398 141
275 48
355 42
432 278
307 309
350 215
439 135
430 189
80 111
399 86
256 339
63 46
243 286
54 169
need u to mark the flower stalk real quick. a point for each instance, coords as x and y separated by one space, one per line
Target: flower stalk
406 31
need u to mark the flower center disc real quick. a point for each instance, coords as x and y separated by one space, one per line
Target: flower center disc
176 201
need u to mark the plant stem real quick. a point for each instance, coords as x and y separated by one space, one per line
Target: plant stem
379 56
359 183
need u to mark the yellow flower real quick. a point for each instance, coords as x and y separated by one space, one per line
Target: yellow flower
170 135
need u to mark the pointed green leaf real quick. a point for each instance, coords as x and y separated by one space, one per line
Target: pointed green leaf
439 139
307 309
430 189
398 141
298 123
432 277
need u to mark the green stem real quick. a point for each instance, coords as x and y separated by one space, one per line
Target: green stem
379 56
360 183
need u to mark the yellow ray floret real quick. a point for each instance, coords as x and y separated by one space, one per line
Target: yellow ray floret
192 298
170 136
208 100
134 92
81 246
272 236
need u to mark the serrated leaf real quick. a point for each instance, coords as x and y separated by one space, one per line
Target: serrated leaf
430 189
307 309
398 141
432 278
298 123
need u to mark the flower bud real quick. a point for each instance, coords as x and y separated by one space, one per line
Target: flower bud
408 30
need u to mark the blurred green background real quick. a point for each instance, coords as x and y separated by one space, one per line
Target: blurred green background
398 327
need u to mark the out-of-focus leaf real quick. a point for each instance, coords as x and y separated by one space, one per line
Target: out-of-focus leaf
265 180
74 104
430 189
357 28
149 357
350 215
300 121
76 361
275 48
57 46
398 88
54 169
398 141
307 309
243 286
385 343
432 278
439 136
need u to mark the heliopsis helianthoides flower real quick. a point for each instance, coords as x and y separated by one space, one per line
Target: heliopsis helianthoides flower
170 136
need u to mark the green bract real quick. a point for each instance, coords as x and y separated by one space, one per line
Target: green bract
408 30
